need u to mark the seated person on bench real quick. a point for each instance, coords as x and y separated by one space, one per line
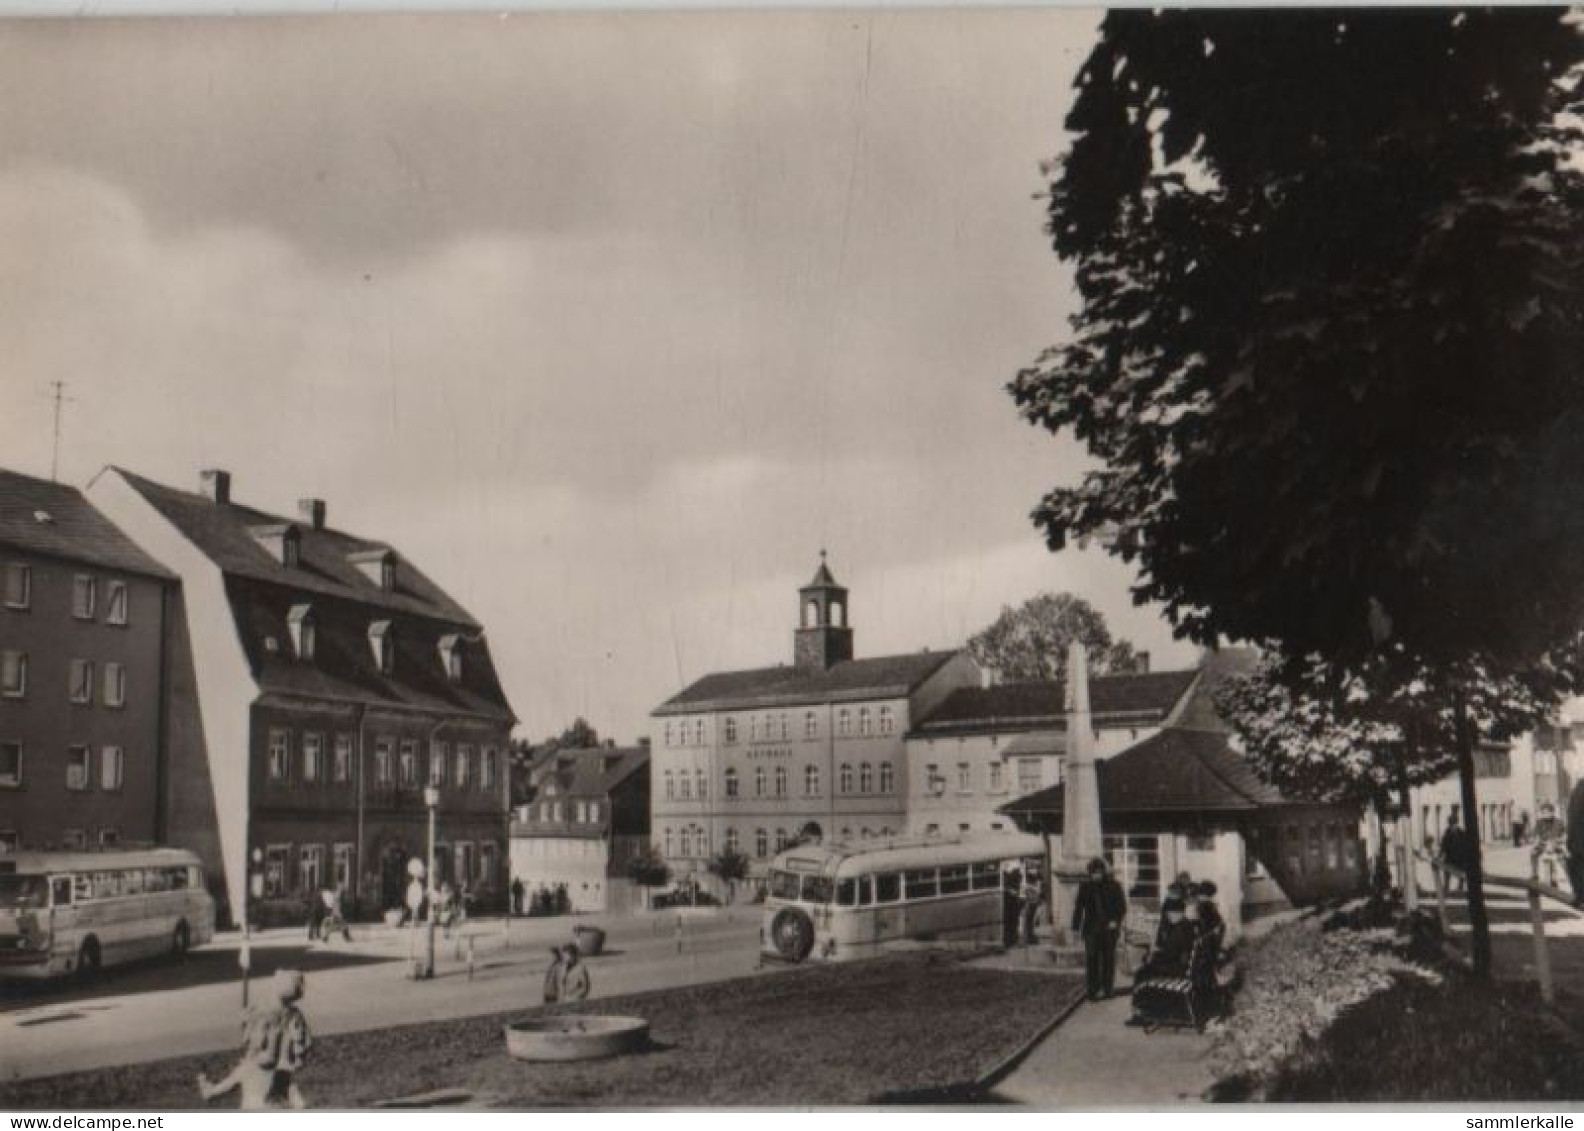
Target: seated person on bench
1166 980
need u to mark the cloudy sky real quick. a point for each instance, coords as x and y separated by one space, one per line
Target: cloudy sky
610 322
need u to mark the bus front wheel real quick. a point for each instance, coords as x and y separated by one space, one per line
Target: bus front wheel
88 960
792 932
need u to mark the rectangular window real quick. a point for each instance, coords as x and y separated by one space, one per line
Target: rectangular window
1028 776
487 863
887 777
81 677
810 725
74 840
409 763
79 771
464 766
114 684
279 755
10 764
997 777
922 884
18 586
275 870
954 879
343 757
85 592
112 767
888 887
487 768
438 758
109 838
964 777
345 859
116 602
1135 862
384 755
313 757
13 674
310 868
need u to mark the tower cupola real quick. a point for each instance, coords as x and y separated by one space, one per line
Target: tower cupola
824 636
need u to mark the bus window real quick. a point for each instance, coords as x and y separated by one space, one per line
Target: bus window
61 896
784 885
921 884
865 890
816 889
132 881
82 887
19 892
106 885
888 888
157 879
184 878
986 875
954 879
846 892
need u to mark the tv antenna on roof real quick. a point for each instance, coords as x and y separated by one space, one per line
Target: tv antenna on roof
58 395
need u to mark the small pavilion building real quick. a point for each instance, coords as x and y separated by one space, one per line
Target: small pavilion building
1185 800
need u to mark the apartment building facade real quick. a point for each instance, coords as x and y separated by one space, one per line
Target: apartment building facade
82 711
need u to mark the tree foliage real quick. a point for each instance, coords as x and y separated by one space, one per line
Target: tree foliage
1325 360
1030 642
648 868
1332 302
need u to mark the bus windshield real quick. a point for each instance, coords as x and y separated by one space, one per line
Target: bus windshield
24 892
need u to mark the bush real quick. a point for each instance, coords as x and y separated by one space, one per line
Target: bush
1295 983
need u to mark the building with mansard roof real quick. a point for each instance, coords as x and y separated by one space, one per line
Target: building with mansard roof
325 681
813 749
82 714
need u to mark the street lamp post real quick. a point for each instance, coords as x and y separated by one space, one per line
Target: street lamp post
432 803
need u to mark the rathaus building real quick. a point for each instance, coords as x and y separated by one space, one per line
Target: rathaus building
754 759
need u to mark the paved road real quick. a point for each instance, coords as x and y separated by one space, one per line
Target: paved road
163 1009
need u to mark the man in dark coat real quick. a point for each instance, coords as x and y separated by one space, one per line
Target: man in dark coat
1457 849
1575 842
1098 912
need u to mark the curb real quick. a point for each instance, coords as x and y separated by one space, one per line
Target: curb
1003 1068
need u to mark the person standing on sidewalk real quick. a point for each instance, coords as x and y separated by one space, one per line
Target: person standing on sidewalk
1575 843
1097 918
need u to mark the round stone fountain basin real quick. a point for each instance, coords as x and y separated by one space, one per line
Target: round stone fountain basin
575 1037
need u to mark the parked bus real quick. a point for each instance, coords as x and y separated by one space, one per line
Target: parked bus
75 912
839 902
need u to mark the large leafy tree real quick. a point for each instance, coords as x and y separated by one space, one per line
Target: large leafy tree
1326 356
1030 641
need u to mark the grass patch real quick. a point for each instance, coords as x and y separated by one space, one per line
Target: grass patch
1459 1041
892 1028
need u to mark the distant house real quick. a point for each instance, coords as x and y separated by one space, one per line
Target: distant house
83 612
589 816
1185 800
985 746
323 683
755 759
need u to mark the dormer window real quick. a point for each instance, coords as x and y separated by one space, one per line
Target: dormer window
379 566
300 623
451 656
383 645
283 541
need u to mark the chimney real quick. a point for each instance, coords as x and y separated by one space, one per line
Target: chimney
216 485
1141 663
312 511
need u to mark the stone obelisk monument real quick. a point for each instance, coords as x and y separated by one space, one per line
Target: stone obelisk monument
1080 840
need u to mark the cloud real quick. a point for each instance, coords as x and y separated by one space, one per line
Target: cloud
609 322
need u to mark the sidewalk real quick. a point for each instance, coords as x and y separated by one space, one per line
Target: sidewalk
1094 1060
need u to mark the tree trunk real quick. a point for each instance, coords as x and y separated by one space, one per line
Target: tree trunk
1405 845
1478 921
